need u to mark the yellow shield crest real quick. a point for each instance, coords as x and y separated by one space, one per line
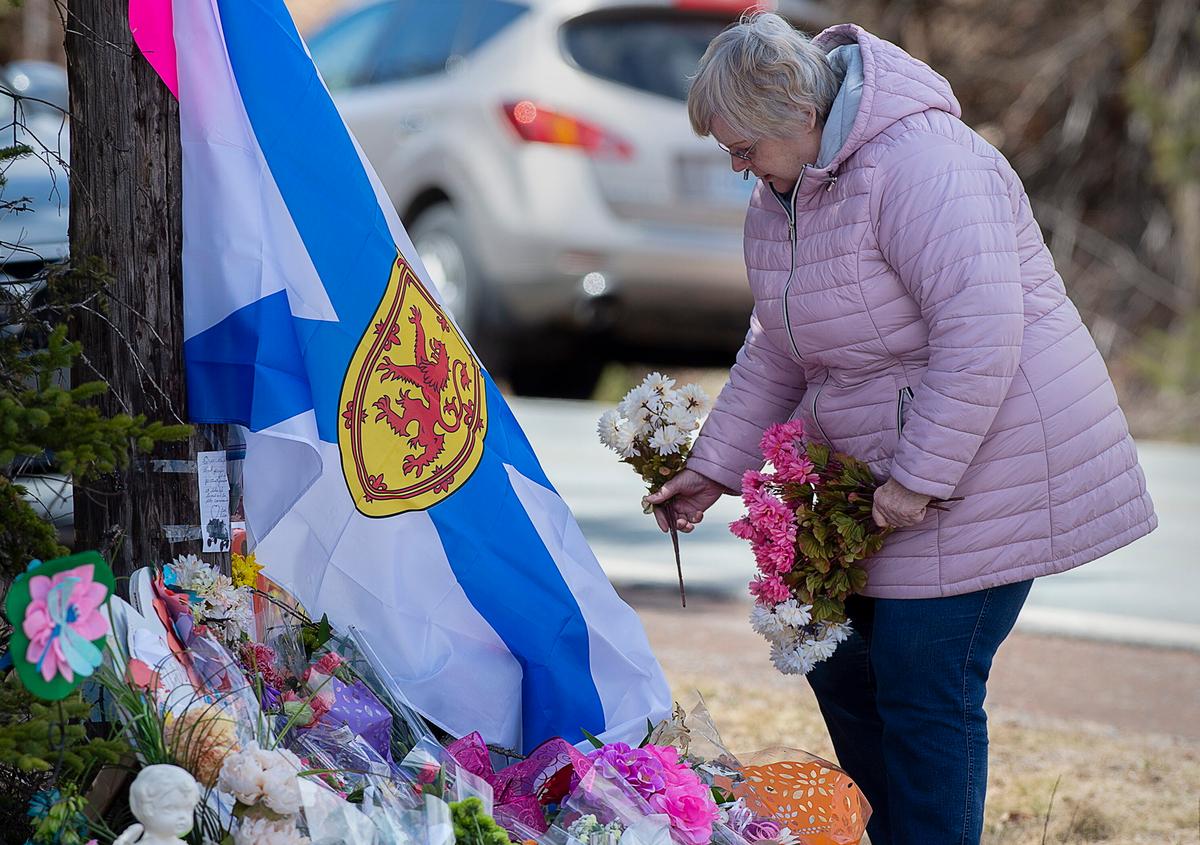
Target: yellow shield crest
412 405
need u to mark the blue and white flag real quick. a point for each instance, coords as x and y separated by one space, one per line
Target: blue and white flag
386 479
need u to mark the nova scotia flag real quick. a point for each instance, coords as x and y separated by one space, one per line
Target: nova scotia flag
386 480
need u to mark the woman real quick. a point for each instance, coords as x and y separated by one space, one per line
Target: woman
908 311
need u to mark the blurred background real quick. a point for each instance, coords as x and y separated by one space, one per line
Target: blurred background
539 152
540 155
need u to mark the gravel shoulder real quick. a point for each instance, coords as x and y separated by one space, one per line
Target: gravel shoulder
1102 737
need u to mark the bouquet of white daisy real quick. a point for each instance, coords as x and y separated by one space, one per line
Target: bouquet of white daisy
652 430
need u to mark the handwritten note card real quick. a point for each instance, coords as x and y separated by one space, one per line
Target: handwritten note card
214 500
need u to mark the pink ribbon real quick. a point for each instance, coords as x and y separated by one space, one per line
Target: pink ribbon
151 23
522 789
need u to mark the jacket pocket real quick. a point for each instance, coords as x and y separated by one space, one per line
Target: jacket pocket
903 400
816 417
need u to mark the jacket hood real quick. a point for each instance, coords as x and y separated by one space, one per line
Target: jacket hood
881 84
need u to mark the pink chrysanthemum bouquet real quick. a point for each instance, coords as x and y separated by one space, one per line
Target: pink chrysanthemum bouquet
809 524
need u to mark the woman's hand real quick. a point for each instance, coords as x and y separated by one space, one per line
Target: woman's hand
896 506
690 494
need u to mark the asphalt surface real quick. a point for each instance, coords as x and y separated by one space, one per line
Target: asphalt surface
1147 593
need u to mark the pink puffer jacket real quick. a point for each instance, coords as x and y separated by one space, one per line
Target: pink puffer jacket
913 318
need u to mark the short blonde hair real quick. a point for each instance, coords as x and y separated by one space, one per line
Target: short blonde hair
758 76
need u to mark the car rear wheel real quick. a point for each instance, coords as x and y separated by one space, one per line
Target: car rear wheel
440 238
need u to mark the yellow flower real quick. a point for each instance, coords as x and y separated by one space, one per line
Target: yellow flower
245 570
200 739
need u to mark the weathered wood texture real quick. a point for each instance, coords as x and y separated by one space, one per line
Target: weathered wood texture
126 189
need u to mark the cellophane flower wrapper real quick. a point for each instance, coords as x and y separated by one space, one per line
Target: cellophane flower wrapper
836 816
604 794
430 765
328 818
522 833
424 819
352 761
439 826
358 693
814 799
408 727
352 706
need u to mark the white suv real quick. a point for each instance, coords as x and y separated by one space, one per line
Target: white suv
540 155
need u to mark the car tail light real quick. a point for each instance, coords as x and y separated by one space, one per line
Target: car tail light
541 125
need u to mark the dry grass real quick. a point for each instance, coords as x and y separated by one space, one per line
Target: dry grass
1124 789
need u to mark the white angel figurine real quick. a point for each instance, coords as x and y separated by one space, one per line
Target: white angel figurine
163 798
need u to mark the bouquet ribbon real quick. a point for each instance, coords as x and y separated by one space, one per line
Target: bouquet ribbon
520 790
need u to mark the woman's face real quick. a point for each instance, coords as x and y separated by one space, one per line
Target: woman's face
777 161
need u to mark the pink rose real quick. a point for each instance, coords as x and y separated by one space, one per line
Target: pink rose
328 663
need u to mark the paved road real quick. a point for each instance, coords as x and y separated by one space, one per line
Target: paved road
1145 593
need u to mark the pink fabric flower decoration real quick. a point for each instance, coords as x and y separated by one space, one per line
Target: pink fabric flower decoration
62 620
668 785
685 799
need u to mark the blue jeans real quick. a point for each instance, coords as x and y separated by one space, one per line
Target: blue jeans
903 701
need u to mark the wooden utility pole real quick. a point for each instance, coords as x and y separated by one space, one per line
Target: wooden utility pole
126 189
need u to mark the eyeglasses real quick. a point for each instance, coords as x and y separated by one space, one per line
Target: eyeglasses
746 154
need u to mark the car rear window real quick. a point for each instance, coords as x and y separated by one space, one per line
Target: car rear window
652 51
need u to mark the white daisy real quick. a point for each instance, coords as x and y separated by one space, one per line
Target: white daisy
667 440
765 622
191 573
791 660
679 415
695 399
607 428
839 632
658 383
625 442
635 399
821 649
792 613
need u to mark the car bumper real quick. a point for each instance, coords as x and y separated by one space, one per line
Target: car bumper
640 283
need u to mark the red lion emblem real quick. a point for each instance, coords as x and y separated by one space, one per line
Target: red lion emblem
426 390
430 375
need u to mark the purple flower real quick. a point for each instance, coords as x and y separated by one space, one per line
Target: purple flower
638 768
270 698
761 829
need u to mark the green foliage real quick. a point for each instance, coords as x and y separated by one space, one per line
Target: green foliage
13 152
1173 115
38 737
315 634
655 469
24 536
472 826
39 414
58 818
835 531
1154 353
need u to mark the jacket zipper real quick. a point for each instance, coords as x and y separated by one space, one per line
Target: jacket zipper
791 216
905 393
